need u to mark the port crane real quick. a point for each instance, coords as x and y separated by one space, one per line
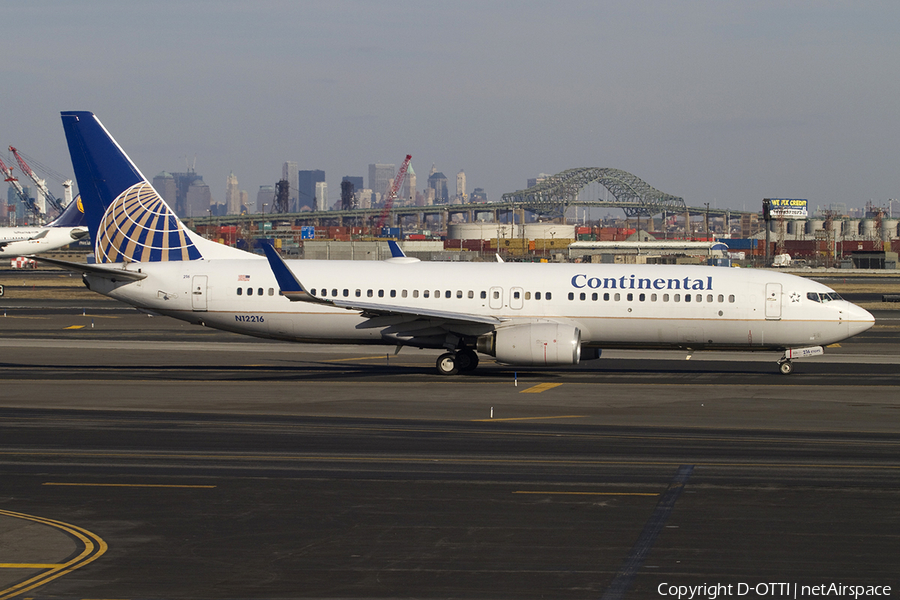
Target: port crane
392 193
30 205
40 183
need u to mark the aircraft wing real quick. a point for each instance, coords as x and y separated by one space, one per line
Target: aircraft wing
395 317
111 273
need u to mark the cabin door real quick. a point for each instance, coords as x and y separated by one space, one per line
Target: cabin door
773 301
198 292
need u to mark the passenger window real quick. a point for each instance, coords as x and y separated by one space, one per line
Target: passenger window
537 295
496 295
641 297
652 297
709 297
393 293
606 296
471 294
415 293
721 298
381 293
617 297
447 294
687 297
516 295
272 292
335 293
528 295
403 293
731 298
571 295
369 293
249 291
425 294
358 293
313 292
459 293
582 296
259 291
665 297
629 297
483 295
677 297
437 294
240 291
548 295
699 297
594 296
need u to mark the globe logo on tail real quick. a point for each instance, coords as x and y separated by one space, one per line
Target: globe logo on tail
140 227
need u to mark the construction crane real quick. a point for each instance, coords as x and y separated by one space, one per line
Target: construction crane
392 193
40 183
26 201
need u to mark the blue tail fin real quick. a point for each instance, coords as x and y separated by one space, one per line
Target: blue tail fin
127 219
72 215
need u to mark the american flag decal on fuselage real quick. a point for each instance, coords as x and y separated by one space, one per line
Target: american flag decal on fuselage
140 227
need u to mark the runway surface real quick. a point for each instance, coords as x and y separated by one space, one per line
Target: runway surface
144 458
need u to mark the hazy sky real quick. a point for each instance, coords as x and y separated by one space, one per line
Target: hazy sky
715 101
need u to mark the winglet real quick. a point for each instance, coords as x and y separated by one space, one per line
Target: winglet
290 286
396 252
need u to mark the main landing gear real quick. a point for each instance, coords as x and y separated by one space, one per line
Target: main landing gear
463 360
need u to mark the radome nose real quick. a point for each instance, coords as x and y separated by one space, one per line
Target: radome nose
858 319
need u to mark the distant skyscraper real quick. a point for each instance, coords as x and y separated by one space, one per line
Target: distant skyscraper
265 199
438 182
356 181
321 195
289 172
306 186
245 204
198 199
478 195
232 195
381 176
164 184
183 182
461 186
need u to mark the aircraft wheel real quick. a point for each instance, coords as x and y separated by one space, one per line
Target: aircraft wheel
447 364
786 367
467 360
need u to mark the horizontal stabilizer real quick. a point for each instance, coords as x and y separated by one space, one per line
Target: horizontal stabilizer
107 272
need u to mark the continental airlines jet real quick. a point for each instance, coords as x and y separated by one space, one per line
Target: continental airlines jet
522 314
21 241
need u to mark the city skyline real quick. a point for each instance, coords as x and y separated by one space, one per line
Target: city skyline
725 103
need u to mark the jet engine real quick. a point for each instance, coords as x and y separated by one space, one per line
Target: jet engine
533 344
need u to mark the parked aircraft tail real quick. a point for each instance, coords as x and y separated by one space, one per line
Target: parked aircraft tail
72 215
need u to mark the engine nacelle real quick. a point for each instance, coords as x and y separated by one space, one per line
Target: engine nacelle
533 344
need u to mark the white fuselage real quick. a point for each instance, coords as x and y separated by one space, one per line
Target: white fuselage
22 241
612 305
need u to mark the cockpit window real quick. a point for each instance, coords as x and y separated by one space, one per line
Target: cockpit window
816 297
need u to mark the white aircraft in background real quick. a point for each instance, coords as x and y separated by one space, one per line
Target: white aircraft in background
22 241
522 314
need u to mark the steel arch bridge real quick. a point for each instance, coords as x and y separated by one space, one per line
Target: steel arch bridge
636 197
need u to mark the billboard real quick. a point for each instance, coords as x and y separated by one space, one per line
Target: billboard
787 208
